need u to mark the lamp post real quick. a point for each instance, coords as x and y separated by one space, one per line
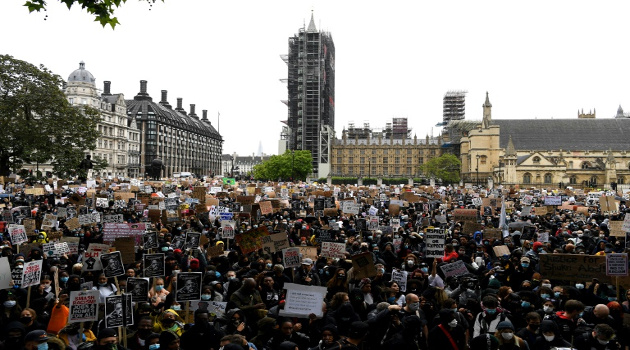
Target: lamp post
500 172
232 168
478 156
292 165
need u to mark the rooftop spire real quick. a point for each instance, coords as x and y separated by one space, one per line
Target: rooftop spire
510 150
311 26
487 103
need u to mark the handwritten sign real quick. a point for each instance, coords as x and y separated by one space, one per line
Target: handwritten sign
18 234
333 250
32 273
573 267
465 215
291 257
302 301
400 277
617 264
456 268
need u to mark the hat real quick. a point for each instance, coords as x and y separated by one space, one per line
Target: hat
177 251
220 242
166 337
505 325
307 261
494 283
106 333
36 335
194 263
364 282
537 245
358 330
525 259
482 341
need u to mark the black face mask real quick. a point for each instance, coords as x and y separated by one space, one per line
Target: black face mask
534 327
25 320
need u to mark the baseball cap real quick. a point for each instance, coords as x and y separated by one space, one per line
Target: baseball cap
307 261
36 335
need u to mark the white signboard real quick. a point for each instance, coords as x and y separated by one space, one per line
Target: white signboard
301 301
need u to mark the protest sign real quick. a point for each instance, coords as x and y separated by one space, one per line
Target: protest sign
457 268
435 243
291 257
266 207
350 207
91 257
492 233
617 264
192 240
32 273
178 242
333 250
616 228
6 275
18 234
465 215
543 237
114 311
501 250
553 200
29 226
112 264
373 223
113 230
127 248
275 242
139 289
227 229
62 248
16 274
188 286
626 224
308 252
250 241
363 266
86 219
301 301
83 306
573 267
154 265
400 277
73 224
215 251
150 240
115 218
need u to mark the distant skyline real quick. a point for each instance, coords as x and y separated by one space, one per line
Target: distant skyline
537 59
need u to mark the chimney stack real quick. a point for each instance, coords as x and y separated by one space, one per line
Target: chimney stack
106 88
205 115
143 95
143 87
179 106
192 111
164 101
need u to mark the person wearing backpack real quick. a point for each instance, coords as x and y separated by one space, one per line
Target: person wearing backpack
488 320
507 339
601 338
448 334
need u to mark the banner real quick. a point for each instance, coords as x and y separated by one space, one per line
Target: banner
188 286
154 265
83 306
250 241
112 230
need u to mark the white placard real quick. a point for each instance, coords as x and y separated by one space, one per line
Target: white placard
301 301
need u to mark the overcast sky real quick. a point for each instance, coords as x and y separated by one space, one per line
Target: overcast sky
537 59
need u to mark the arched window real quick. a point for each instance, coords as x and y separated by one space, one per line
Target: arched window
536 160
621 180
593 180
483 159
586 165
573 180
548 178
570 164
527 178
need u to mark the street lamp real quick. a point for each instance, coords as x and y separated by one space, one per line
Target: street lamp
232 168
478 156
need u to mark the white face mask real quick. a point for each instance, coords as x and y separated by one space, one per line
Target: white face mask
548 285
547 308
453 323
507 336
603 342
549 337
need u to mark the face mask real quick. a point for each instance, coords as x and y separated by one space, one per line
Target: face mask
341 277
547 308
410 262
603 342
154 346
9 304
205 296
581 314
102 284
159 288
176 307
540 250
414 306
42 346
381 271
25 319
64 279
525 265
491 311
453 323
548 285
165 249
545 296
549 337
507 336
534 327
425 269
525 304
269 266
454 310
556 294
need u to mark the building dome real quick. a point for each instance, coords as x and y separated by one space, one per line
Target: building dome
81 75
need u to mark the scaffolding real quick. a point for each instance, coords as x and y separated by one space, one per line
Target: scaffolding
454 106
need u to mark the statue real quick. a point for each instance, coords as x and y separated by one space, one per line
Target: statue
156 169
84 167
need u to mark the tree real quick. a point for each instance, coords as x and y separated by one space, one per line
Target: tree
103 10
445 167
37 123
290 165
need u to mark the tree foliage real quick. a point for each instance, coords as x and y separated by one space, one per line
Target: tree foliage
102 10
445 167
295 165
37 123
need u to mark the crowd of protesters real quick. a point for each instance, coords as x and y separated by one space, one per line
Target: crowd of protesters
503 302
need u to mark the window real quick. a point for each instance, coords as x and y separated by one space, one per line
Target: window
483 159
350 170
385 151
397 160
350 160
397 151
570 164
621 180
420 160
593 180
385 171
362 160
397 170
547 178
362 151
586 165
527 178
408 170
384 160
409 152
408 160
573 180
536 160
71 100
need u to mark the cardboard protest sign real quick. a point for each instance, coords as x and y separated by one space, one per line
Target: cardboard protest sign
154 265
394 209
112 264
400 277
265 207
83 306
492 233
192 240
573 267
139 289
32 273
18 234
188 286
91 257
214 251
465 215
73 224
49 222
126 246
333 250
457 268
308 252
275 242
291 257
150 240
301 301
250 241
471 227
363 266
29 226
435 243
6 275
501 250
617 264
